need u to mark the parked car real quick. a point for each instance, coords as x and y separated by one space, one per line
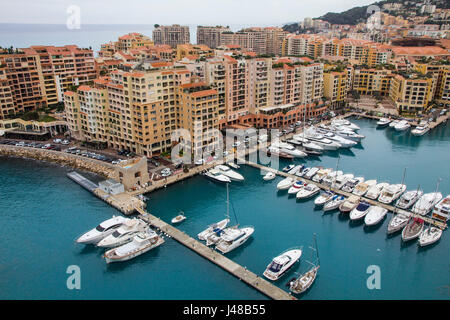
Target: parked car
57 140
65 142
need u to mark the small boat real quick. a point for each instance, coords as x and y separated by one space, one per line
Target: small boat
179 218
383 122
408 199
304 281
231 238
330 178
341 180
429 236
413 229
421 129
426 202
285 183
360 211
288 168
141 243
103 230
124 234
351 184
321 174
398 222
441 210
226 171
362 187
391 192
302 171
311 172
308 191
213 228
393 123
402 125
375 215
217 175
334 203
233 165
375 190
282 263
324 198
296 187
349 204
295 169
269 176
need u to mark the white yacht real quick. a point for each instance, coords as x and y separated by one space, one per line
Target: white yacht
375 190
286 183
330 178
311 172
351 184
360 211
408 199
393 123
308 191
347 134
375 215
296 187
213 228
334 203
233 165
421 129
345 123
231 238
282 263
341 180
362 187
391 193
103 230
383 122
304 170
429 236
269 176
295 169
441 210
226 171
426 203
349 204
305 143
398 222
288 168
319 139
345 143
124 234
402 125
141 243
325 197
287 148
179 218
413 229
217 175
321 174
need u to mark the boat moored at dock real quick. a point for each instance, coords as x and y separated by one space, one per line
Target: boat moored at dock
286 183
426 202
421 129
226 171
334 203
308 191
362 187
231 238
408 199
391 193
429 236
296 187
397 222
375 215
123 234
213 228
441 210
323 198
282 263
349 204
217 175
402 125
360 211
103 230
383 122
374 191
413 229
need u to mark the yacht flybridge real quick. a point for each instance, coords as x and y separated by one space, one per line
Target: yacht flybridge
123 234
442 210
402 125
282 263
103 230
408 199
362 187
391 193
426 202
383 122
421 129
360 211
231 238
226 171
217 175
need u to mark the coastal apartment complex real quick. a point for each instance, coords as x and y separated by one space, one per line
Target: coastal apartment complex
210 36
126 42
171 35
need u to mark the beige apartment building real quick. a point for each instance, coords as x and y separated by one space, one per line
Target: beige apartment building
335 87
210 36
171 35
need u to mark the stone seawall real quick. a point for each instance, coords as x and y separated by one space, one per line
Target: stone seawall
78 162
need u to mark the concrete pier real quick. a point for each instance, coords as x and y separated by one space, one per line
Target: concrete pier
220 260
82 181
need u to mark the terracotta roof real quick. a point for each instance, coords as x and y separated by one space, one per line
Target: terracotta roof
204 93
192 85
420 51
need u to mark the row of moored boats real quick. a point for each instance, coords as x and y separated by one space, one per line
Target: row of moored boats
403 125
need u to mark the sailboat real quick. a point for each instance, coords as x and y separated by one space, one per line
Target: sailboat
304 282
429 236
212 234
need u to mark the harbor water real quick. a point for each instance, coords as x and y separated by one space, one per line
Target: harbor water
43 212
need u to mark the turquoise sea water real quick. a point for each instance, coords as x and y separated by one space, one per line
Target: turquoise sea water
43 212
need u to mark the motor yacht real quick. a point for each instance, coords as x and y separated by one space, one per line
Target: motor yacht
350 135
349 204
286 183
226 171
103 230
345 143
217 175
304 170
441 210
375 190
330 178
375 215
269 176
305 143
398 222
141 243
308 191
408 199
179 218
429 236
288 168
296 187
360 211
231 238
334 203
282 263
341 180
426 202
324 197
362 187
393 123
213 228
345 123
319 139
383 122
351 184
123 234
288 148
402 125
421 129
321 174
311 172
391 193
413 229
233 165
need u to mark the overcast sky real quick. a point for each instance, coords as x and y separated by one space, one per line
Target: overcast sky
206 12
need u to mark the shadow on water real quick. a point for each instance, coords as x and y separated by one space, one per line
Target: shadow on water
359 146
372 229
421 249
346 152
343 216
91 248
394 234
407 244
356 223
329 212
237 252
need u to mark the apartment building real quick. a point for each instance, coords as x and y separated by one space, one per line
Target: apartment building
126 42
443 87
372 81
215 77
335 87
210 36
236 88
171 35
197 51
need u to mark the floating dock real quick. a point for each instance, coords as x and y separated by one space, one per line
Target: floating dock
82 181
220 260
